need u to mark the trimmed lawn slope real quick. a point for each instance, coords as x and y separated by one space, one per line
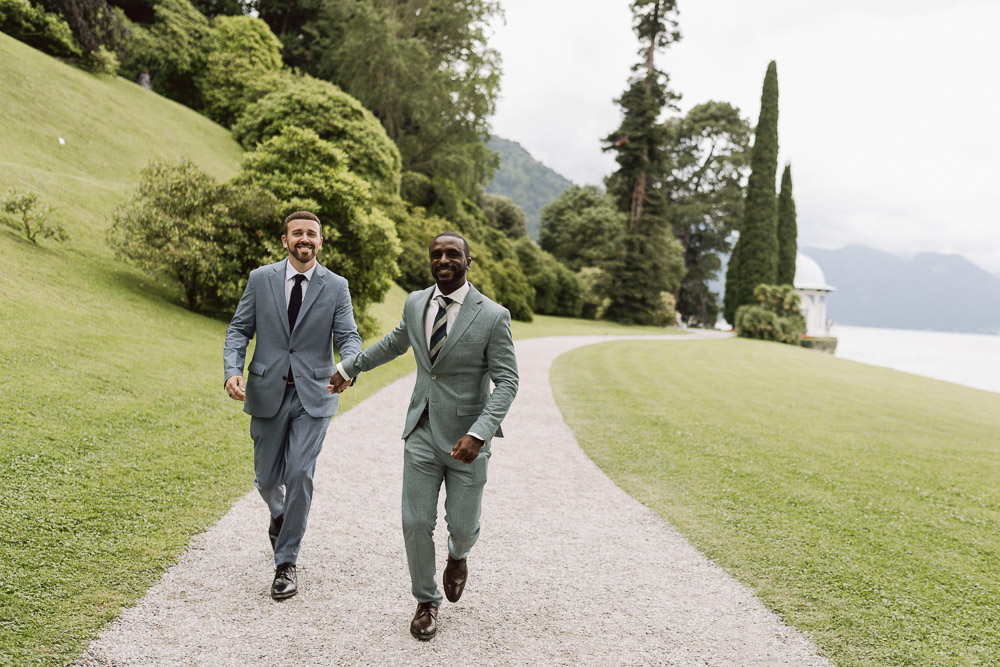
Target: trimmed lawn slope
862 504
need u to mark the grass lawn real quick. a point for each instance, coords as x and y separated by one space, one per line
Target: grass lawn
862 504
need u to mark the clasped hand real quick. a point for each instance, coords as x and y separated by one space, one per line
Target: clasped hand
338 383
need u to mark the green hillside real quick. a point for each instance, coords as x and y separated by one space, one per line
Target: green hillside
525 180
118 443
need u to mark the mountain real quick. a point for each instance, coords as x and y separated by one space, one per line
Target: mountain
528 182
929 291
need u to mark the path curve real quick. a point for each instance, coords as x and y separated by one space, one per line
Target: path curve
569 569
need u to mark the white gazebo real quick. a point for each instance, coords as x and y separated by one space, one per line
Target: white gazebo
811 285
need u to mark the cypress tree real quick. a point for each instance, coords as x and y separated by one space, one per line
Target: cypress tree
652 261
755 259
787 230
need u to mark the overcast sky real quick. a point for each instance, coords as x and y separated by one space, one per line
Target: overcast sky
889 109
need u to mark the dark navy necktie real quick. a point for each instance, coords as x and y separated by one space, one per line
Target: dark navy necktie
439 330
295 301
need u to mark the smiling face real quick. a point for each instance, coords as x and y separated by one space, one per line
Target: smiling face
303 240
449 262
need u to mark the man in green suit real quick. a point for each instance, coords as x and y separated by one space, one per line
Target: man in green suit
461 341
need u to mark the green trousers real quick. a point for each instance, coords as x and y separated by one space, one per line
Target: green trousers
425 465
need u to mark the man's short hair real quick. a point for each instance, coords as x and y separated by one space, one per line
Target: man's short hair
468 252
303 215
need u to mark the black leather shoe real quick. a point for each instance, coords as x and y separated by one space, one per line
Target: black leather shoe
284 585
456 572
424 623
274 529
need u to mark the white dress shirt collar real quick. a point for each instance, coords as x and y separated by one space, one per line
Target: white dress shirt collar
458 295
291 271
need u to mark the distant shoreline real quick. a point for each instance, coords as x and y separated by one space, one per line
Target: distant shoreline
970 359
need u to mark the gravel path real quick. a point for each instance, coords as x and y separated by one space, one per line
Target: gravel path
568 570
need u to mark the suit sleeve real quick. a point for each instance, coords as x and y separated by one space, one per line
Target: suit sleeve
345 330
503 372
241 330
392 345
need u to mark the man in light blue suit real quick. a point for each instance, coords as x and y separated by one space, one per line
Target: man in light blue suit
297 309
461 341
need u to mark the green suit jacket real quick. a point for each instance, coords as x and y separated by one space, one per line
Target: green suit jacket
455 390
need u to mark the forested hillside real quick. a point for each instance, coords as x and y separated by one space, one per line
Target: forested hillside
525 180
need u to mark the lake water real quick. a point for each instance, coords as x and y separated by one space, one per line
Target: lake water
969 359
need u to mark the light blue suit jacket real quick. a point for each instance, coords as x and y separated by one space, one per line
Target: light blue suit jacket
326 317
455 390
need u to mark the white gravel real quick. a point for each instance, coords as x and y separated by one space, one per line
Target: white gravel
568 570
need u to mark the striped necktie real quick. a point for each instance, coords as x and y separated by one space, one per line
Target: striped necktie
439 330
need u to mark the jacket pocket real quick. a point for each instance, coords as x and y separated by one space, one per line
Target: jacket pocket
257 368
324 372
468 410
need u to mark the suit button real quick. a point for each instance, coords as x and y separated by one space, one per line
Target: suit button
285 378
434 377
291 352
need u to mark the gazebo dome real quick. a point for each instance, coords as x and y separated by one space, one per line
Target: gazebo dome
808 275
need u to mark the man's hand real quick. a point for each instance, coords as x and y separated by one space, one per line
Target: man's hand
338 383
236 389
467 448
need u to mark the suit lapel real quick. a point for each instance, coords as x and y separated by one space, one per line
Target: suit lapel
277 280
316 286
416 324
470 309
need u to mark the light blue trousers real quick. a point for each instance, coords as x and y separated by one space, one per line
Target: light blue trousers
285 449
425 465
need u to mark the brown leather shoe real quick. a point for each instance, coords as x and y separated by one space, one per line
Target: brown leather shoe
424 623
456 572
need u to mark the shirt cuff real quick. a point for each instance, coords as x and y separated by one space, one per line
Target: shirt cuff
340 369
477 436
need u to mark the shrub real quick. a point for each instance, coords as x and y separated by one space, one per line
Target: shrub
558 291
596 284
503 214
36 27
305 172
777 318
243 66
205 234
102 61
25 212
415 228
333 115
173 49
756 322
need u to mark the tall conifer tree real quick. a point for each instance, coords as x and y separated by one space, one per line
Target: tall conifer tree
652 261
788 232
755 258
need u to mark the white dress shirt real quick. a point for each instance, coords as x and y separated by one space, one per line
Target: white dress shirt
290 273
458 296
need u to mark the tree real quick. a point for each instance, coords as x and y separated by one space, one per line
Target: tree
24 211
336 117
304 172
652 261
45 31
503 214
582 227
205 234
558 291
708 156
172 49
787 230
423 67
98 28
244 65
755 259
